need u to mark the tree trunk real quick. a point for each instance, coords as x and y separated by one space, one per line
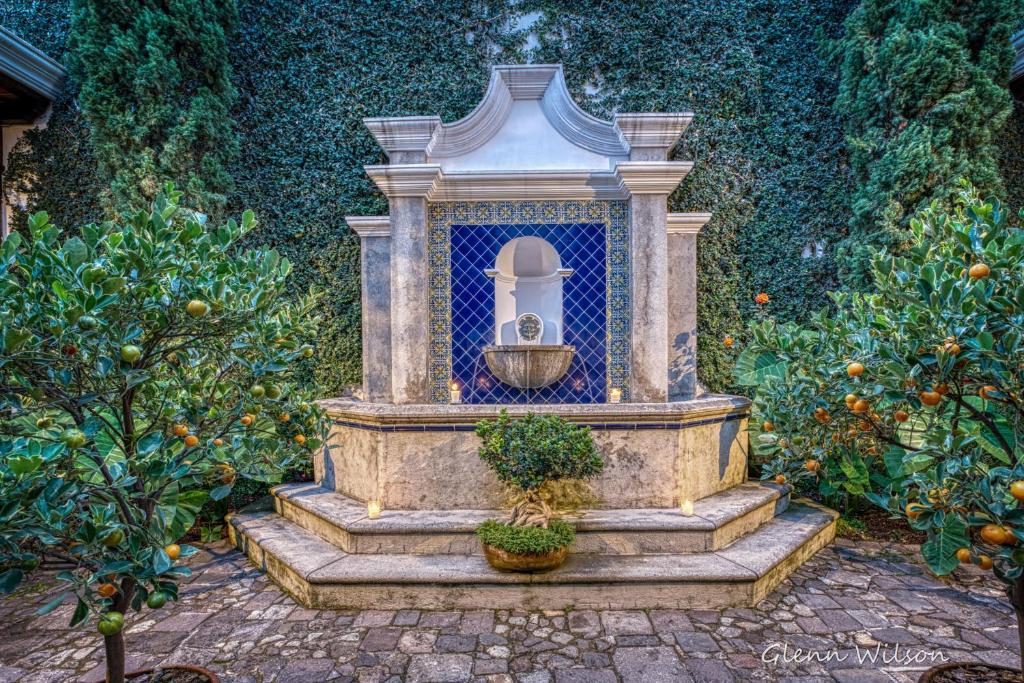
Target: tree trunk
530 511
114 646
1016 593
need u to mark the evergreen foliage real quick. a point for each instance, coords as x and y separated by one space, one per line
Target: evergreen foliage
768 145
51 167
527 540
923 97
155 86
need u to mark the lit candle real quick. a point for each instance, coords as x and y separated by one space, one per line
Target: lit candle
687 507
373 509
456 393
614 395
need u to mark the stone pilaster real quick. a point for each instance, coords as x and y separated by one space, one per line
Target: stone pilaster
375 267
683 229
407 186
649 184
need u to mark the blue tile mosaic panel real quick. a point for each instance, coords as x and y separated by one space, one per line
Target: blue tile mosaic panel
590 237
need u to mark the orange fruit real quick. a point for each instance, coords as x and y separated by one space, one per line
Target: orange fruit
994 534
930 398
107 590
191 440
914 510
180 430
821 415
901 416
284 417
780 479
855 369
860 406
812 465
728 342
985 562
964 555
865 426
850 399
299 439
1017 490
246 420
173 551
979 271
767 426
218 442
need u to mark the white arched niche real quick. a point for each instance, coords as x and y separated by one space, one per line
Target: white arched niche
528 277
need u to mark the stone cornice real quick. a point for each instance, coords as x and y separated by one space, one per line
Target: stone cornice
652 177
706 407
576 125
654 131
580 185
686 223
403 133
405 180
430 182
30 67
370 226
542 82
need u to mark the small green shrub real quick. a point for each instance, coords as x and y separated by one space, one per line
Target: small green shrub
526 540
527 452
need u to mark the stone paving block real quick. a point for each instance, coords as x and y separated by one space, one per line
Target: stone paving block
417 641
439 619
709 671
374 618
650 665
439 668
585 676
381 639
621 623
477 622
455 643
666 621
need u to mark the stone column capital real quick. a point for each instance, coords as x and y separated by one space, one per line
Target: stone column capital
651 136
405 180
370 226
686 223
651 177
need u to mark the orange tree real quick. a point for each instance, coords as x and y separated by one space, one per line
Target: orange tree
144 366
912 395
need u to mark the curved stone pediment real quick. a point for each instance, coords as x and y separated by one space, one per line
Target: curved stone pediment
527 121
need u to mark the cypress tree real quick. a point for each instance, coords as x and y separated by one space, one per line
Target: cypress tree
923 94
155 86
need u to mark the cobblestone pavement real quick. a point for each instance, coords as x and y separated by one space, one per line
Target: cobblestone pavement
852 601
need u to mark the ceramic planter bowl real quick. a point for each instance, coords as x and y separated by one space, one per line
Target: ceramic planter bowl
512 562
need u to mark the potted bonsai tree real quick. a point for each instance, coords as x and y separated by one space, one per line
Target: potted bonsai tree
144 367
913 395
531 456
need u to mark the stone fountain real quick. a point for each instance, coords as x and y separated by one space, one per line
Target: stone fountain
529 263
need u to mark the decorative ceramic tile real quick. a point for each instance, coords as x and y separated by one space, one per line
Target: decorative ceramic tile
590 237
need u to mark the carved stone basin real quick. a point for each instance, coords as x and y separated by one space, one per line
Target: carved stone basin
529 366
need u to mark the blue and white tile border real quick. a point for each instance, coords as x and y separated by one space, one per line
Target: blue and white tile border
442 215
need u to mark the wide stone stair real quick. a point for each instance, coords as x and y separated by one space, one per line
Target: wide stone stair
735 548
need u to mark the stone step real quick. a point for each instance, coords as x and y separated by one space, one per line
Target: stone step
718 520
322 576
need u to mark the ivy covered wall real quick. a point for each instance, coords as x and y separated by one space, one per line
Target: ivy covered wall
768 146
